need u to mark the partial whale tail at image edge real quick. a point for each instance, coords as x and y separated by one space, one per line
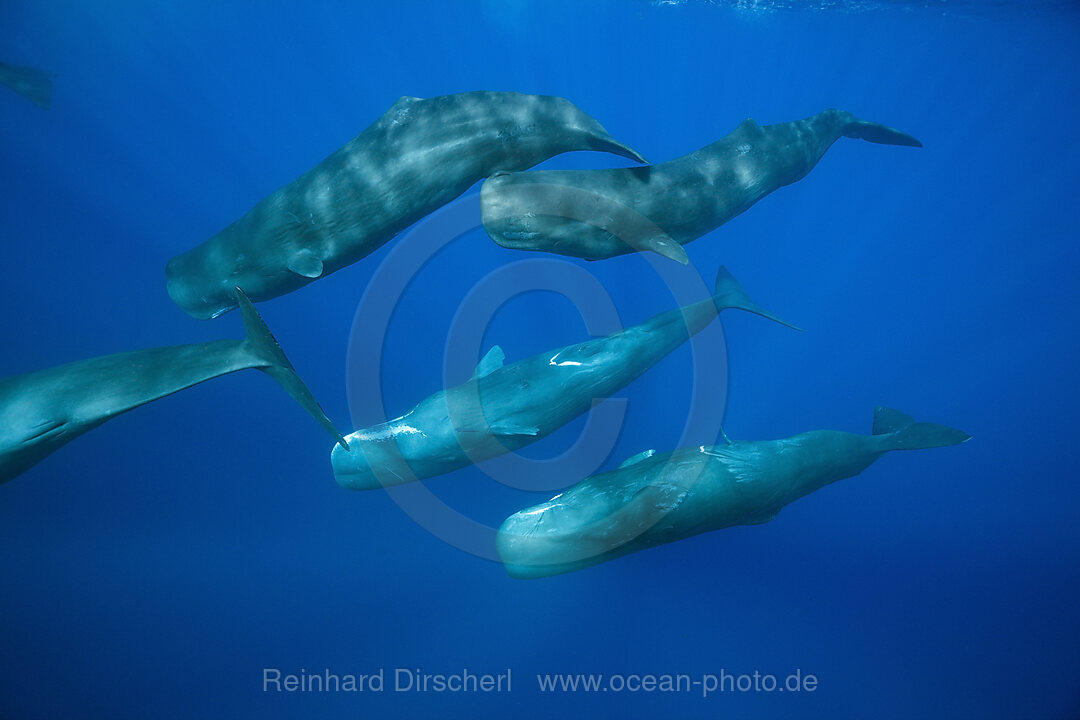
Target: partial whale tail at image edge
608 144
729 293
878 133
901 432
33 84
261 343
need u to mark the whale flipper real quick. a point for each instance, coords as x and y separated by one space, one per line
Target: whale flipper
305 264
261 343
730 294
663 245
878 133
900 432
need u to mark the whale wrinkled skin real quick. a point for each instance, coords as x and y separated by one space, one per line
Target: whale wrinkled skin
420 155
43 410
501 409
655 499
598 214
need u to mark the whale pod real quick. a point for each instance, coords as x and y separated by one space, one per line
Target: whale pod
43 410
597 214
652 499
420 155
502 408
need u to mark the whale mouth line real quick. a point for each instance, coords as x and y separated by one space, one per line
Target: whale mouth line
50 428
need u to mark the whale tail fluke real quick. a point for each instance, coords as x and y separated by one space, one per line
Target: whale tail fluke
878 133
600 141
33 84
615 147
730 294
593 135
901 432
261 343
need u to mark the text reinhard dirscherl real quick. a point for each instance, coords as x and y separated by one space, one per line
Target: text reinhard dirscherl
396 679
466 681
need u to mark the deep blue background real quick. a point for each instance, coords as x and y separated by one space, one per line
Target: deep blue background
155 566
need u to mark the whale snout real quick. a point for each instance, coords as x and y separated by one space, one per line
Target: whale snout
509 224
368 464
351 468
190 288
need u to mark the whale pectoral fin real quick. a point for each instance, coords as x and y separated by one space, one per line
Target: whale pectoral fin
663 245
306 264
634 459
491 362
512 429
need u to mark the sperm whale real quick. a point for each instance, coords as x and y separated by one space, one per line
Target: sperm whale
597 214
420 155
41 411
503 408
652 499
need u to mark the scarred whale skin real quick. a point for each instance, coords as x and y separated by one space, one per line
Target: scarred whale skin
597 214
420 155
43 410
504 408
655 499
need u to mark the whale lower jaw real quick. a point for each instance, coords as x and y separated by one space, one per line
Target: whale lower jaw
195 304
353 470
350 469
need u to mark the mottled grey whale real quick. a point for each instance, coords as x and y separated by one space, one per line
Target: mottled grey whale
42 410
655 499
33 84
418 156
597 214
501 409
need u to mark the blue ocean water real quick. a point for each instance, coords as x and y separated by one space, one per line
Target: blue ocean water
159 565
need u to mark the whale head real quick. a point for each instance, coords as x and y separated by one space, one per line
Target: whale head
542 211
197 283
202 281
373 459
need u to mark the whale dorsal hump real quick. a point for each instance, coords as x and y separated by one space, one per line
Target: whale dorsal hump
635 459
490 362
887 420
748 126
305 263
